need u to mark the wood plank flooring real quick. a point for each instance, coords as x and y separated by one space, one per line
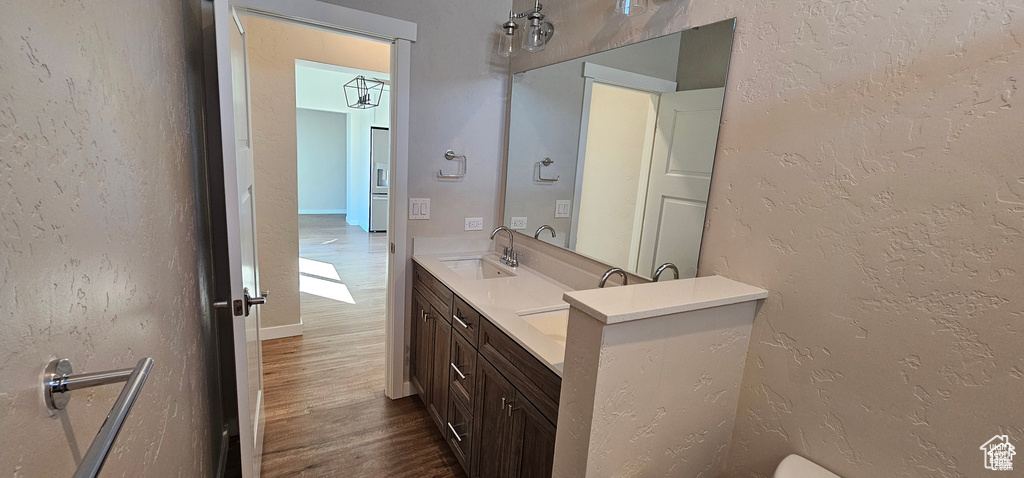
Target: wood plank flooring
326 410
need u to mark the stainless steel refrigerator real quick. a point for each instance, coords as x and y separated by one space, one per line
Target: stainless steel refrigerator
380 175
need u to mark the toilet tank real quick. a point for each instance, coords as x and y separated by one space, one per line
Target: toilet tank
796 466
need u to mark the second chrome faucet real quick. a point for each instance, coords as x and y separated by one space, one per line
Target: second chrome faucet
509 257
609 273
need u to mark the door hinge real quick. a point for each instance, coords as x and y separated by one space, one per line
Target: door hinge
392 247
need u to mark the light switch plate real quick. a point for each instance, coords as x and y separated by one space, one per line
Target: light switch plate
419 208
563 208
474 223
518 223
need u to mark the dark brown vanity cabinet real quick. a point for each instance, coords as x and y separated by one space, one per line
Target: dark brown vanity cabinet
492 427
495 403
429 357
533 441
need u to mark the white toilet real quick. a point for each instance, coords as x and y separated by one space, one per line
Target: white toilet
796 466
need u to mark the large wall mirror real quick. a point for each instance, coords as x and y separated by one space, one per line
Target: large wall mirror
613 152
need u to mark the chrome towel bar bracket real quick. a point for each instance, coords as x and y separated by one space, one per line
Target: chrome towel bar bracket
58 383
539 165
451 156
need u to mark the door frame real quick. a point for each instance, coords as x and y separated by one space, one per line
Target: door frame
610 76
334 18
401 34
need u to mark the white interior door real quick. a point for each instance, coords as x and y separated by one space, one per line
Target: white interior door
233 85
685 140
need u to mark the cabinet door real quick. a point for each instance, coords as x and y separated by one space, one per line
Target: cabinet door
422 342
438 403
492 422
533 441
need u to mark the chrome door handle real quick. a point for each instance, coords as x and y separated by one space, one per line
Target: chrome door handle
463 324
461 375
251 301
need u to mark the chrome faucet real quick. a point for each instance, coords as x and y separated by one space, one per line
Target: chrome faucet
536 235
509 256
667 265
610 272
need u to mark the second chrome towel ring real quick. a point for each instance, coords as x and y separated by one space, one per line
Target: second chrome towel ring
539 166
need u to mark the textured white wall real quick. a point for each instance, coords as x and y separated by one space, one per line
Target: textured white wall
651 397
101 255
273 48
869 176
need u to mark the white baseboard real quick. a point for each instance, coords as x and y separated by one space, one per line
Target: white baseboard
323 211
281 331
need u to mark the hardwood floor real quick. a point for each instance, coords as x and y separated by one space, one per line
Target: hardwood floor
326 410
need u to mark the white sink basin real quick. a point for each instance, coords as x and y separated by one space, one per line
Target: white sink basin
553 323
478 268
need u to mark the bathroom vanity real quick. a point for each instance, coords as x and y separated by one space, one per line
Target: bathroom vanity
490 344
486 353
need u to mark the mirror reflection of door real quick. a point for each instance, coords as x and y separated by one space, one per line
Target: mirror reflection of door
680 180
613 191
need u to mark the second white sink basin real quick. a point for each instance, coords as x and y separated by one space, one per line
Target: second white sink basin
478 268
552 323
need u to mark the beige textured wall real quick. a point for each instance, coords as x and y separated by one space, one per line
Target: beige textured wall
273 48
101 252
869 176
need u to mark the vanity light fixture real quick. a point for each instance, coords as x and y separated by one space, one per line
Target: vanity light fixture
362 93
536 35
630 7
507 44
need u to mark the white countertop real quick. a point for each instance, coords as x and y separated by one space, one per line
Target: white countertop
613 305
503 299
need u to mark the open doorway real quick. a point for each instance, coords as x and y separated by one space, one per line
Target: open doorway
323 189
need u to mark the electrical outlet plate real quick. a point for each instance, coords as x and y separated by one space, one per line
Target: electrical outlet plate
518 223
474 223
419 208
563 208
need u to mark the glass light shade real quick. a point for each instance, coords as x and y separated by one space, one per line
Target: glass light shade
630 7
507 44
536 36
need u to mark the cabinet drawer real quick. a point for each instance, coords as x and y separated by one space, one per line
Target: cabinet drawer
459 431
443 309
435 292
462 372
536 381
466 320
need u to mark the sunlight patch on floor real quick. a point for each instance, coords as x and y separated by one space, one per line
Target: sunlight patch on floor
317 268
326 289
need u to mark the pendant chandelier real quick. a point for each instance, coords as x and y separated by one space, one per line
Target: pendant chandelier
362 93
